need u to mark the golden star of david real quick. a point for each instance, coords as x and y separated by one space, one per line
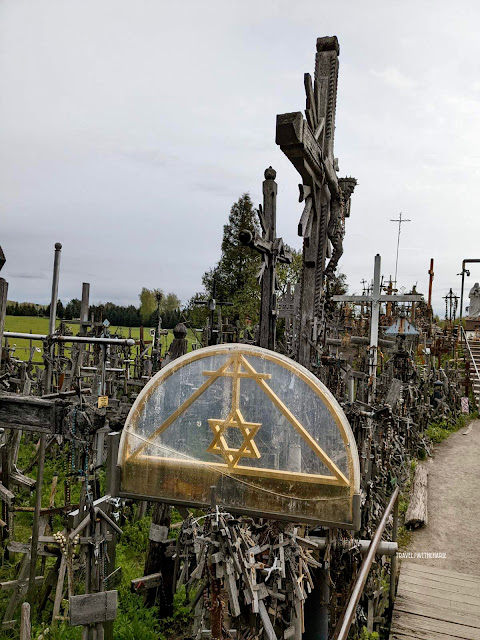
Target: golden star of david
235 419
237 366
219 444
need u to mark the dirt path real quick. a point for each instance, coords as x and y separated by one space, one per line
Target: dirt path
453 504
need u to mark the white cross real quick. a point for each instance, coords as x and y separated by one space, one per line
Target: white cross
375 300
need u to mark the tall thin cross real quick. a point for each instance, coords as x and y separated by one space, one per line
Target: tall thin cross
400 220
308 144
375 300
272 251
431 273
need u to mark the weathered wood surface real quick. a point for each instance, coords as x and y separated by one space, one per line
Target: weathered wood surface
25 626
92 608
436 604
417 514
3 307
27 413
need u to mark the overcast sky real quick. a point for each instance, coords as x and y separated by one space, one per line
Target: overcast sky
129 127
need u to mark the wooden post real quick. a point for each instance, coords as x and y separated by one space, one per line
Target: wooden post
272 250
374 319
7 512
3 311
25 626
268 316
84 306
36 518
53 316
113 441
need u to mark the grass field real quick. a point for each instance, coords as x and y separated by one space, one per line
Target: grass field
33 324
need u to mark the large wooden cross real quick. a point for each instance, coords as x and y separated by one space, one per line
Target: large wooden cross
375 299
308 144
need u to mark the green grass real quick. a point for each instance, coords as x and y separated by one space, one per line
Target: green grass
33 324
438 431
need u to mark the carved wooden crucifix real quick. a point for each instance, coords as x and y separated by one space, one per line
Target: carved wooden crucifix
272 251
308 144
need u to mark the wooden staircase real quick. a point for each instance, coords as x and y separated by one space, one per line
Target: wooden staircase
472 354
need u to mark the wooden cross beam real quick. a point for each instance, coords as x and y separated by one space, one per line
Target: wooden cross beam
29 414
375 299
308 144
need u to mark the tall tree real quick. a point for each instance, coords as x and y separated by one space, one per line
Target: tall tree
148 303
236 272
170 302
289 274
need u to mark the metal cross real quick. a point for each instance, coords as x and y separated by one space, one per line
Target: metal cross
400 220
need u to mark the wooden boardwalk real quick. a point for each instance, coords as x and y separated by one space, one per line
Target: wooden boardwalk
435 604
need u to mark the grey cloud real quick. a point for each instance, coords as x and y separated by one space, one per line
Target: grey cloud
129 140
29 276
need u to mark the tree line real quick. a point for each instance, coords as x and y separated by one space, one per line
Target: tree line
235 276
146 314
233 279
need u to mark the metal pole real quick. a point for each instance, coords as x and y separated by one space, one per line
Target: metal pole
393 566
461 294
351 608
464 262
129 342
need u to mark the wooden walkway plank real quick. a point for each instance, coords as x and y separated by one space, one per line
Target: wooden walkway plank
418 567
432 600
454 582
421 623
438 612
440 585
402 632
435 604
411 587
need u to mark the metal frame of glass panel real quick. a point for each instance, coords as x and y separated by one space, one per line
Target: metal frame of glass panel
254 426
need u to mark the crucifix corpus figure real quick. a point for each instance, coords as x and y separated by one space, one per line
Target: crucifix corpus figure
308 144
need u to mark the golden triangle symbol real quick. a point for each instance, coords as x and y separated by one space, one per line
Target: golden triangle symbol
235 419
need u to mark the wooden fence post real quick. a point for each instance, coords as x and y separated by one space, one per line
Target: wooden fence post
3 310
25 626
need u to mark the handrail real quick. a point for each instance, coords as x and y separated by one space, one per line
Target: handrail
344 624
472 359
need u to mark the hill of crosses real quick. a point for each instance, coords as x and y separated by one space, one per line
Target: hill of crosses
238 478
